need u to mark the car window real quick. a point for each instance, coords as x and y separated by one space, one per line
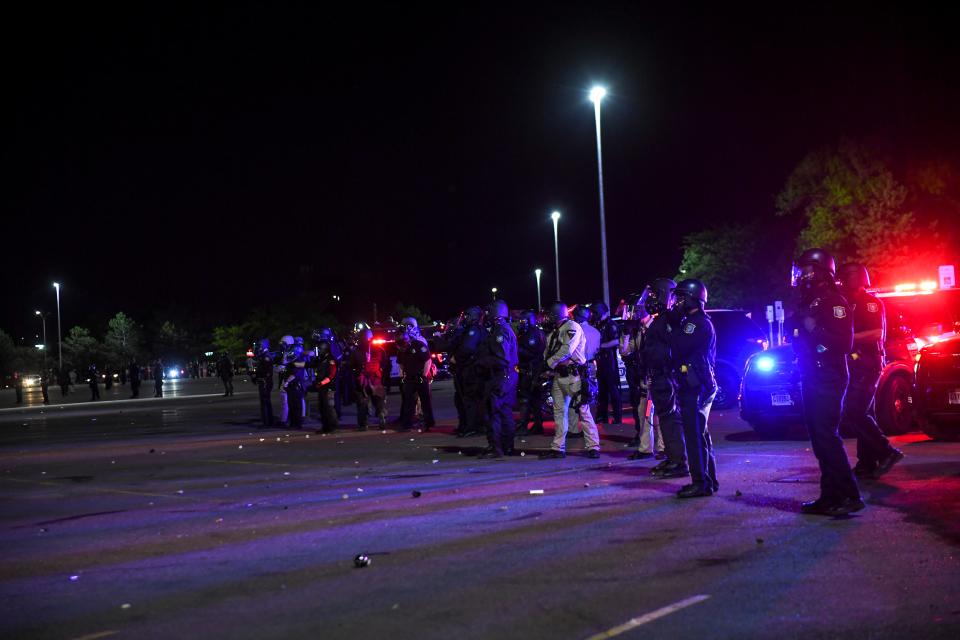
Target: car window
735 324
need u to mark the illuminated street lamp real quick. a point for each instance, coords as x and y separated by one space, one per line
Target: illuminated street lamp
56 285
494 292
43 319
596 96
537 273
555 216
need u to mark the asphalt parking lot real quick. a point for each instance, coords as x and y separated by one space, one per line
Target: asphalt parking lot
181 517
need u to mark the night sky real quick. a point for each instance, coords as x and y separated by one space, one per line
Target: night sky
190 164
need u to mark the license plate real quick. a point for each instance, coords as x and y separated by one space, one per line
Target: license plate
781 400
955 397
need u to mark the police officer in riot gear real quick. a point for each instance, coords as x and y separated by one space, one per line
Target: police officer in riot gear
497 359
648 437
566 360
366 363
468 385
293 382
583 316
822 338
414 358
263 378
337 352
530 346
875 454
694 354
285 358
326 372
658 302
608 369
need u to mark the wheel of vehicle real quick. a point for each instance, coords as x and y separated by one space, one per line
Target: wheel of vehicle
941 432
895 406
728 384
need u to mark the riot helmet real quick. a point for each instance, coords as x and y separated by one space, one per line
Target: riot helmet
633 308
473 315
853 277
528 318
658 296
287 342
558 312
814 267
599 310
498 309
582 314
323 348
691 294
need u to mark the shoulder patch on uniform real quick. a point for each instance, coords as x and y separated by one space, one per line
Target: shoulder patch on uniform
839 312
873 307
689 328
471 332
499 338
533 341
423 349
815 303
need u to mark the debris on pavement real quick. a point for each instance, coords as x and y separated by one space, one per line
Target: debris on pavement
738 493
536 492
361 561
415 493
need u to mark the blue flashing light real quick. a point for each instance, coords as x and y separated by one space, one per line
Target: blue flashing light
766 363
173 373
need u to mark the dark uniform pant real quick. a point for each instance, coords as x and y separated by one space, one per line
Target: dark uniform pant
500 394
412 388
859 415
94 391
158 388
367 391
664 395
266 404
471 387
295 402
227 386
822 399
326 402
694 412
608 388
532 393
134 388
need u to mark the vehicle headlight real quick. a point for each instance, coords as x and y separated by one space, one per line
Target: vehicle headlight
766 363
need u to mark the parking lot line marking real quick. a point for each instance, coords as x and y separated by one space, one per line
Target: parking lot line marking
648 617
263 464
48 483
99 634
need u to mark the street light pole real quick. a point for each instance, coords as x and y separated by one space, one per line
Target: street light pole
56 285
555 216
494 292
537 273
43 319
596 96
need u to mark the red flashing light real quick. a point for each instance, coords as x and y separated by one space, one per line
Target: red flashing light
906 286
378 341
928 285
249 353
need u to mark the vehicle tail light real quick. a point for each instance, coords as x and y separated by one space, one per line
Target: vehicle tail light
928 285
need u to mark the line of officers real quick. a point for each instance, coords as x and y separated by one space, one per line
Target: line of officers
338 370
669 348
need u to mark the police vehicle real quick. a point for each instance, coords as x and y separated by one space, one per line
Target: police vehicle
770 394
936 390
